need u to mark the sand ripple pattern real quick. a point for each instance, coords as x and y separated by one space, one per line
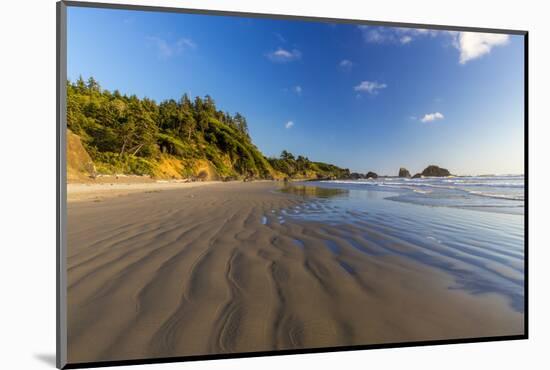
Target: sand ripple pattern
220 269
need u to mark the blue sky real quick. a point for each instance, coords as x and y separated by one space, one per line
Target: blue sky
365 98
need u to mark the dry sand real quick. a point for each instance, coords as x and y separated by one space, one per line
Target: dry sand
196 271
114 187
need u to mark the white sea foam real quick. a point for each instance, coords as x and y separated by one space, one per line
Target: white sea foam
496 195
437 190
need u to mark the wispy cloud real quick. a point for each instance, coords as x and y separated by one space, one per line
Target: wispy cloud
405 39
283 56
346 64
166 49
298 90
289 124
185 42
473 45
370 87
163 48
430 117
279 37
393 35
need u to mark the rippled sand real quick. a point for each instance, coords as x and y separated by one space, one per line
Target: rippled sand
219 269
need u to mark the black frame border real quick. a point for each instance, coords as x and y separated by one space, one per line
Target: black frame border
61 202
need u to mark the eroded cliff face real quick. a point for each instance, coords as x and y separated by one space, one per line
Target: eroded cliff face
79 163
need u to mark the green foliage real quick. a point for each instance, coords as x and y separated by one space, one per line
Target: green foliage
302 167
125 134
330 170
110 163
175 146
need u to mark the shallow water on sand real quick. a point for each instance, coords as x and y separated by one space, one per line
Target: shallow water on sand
502 194
483 251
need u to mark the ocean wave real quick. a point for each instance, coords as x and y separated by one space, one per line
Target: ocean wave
422 191
440 183
497 184
498 196
479 190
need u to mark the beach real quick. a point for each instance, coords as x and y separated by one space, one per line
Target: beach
183 269
111 187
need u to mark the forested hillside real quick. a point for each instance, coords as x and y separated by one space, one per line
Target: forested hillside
302 167
173 139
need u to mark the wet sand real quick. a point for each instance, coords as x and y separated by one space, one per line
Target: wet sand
211 269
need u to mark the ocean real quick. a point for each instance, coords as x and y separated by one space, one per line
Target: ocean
504 194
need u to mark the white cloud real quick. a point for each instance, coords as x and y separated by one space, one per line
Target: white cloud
394 35
473 45
282 56
346 64
417 32
370 87
373 36
298 89
166 49
405 39
430 117
289 124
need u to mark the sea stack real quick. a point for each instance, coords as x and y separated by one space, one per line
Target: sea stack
435 171
403 172
372 175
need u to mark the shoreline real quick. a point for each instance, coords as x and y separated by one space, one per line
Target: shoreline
111 186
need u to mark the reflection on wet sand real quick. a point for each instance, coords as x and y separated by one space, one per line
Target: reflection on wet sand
481 251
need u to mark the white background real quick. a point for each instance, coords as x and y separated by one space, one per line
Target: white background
27 182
